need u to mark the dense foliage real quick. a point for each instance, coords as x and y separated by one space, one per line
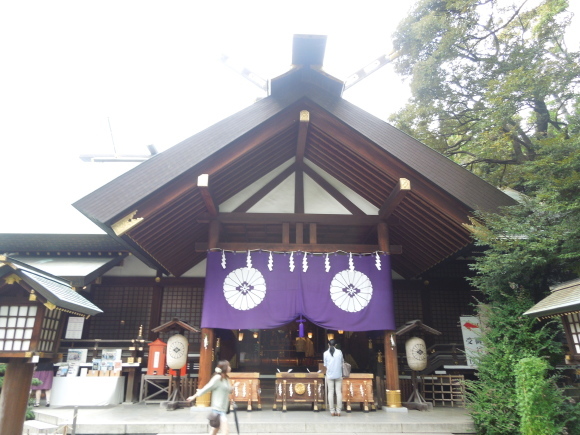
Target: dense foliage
528 248
536 394
496 89
490 80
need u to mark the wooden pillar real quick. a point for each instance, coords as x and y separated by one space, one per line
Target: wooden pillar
205 364
391 362
14 397
207 334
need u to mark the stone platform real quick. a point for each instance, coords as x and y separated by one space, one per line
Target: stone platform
152 419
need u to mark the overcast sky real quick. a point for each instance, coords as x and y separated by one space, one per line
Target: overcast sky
81 77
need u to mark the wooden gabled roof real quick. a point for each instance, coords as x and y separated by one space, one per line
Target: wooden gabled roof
163 216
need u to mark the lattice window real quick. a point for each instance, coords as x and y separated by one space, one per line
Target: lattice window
184 303
446 307
573 321
125 309
16 325
407 305
50 325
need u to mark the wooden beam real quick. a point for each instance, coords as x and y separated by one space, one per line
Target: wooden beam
302 133
215 162
205 364
214 233
299 233
313 235
285 233
383 237
343 200
203 186
286 247
395 198
299 191
392 370
278 218
253 200
15 394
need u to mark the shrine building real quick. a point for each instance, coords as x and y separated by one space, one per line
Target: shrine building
300 217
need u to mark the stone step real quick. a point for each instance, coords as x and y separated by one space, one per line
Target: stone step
38 427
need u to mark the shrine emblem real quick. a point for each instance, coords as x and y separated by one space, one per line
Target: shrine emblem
244 288
351 290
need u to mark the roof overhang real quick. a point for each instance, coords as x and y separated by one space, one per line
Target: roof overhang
53 290
80 272
564 299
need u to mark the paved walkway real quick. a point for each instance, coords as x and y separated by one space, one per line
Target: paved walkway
153 419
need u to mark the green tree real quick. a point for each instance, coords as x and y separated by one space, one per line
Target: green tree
529 247
490 81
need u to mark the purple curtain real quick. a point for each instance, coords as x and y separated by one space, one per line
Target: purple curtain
255 297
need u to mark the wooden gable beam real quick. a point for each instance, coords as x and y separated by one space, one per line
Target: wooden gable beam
304 247
292 218
394 199
300 150
299 191
253 200
332 191
302 133
203 186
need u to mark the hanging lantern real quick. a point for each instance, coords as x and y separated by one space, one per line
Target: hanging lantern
416 353
240 336
255 334
310 335
176 355
330 336
340 331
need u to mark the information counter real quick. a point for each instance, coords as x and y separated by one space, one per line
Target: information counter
87 390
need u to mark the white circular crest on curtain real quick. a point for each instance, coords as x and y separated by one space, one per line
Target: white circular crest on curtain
351 290
244 288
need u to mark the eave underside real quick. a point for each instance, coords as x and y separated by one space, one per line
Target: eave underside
427 223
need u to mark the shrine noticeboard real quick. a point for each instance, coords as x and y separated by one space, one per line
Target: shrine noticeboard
471 331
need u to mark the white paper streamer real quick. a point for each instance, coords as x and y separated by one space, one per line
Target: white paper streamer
249 261
304 263
270 262
223 259
291 262
350 262
378 261
326 263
